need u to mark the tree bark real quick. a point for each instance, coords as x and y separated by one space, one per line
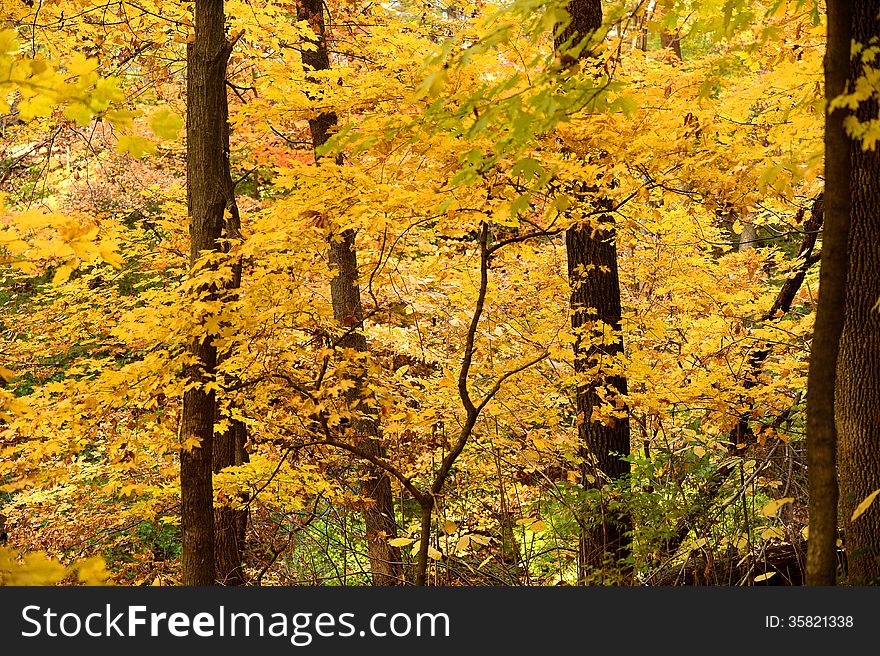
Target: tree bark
821 430
209 199
385 562
603 444
206 94
747 237
586 18
858 364
671 41
230 523
595 282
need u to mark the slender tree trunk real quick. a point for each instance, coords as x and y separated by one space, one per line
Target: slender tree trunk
596 311
858 365
230 523
206 98
385 563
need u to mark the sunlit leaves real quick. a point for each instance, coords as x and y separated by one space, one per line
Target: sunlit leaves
38 569
436 137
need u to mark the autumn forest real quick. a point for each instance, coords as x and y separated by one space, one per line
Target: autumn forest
439 292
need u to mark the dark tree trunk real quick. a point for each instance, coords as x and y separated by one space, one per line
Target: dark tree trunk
208 196
821 430
593 274
602 443
206 94
385 563
586 18
858 365
230 523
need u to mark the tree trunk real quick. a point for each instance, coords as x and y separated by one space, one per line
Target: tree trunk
208 186
821 430
206 93
586 18
602 443
230 523
671 41
593 275
747 237
858 366
385 562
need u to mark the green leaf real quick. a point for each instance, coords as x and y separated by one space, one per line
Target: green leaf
625 104
121 118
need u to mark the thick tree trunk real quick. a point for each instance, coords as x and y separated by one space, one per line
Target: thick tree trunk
206 96
586 18
821 430
593 274
385 563
748 237
858 365
209 552
603 443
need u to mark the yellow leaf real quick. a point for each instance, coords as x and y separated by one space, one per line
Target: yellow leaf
400 542
764 577
773 532
449 527
770 509
433 553
62 274
135 146
539 526
864 505
6 374
166 124
110 255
